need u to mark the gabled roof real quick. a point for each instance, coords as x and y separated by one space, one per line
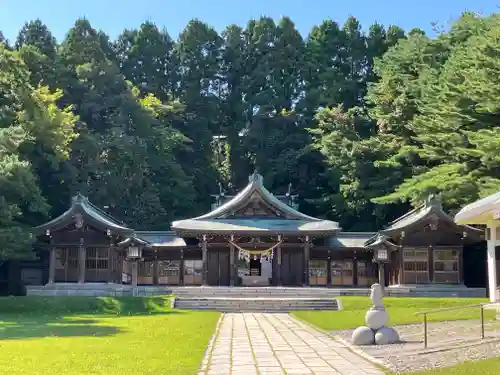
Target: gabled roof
380 241
430 210
349 240
286 219
80 205
159 239
480 211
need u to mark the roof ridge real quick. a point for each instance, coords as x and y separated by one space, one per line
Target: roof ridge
102 212
416 209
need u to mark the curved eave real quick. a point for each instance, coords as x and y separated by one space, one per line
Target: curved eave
257 227
255 185
480 211
381 241
131 241
88 216
423 216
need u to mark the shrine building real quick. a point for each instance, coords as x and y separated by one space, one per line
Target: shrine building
253 238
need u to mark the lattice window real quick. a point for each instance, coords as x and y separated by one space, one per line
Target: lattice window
342 272
66 264
367 274
193 270
416 266
96 264
446 266
168 271
318 272
145 272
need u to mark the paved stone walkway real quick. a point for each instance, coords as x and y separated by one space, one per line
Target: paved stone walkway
269 344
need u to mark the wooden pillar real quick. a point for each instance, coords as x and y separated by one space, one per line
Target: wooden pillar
181 269
381 274
307 255
109 271
401 258
278 265
461 265
204 250
52 265
155 267
354 269
82 257
329 270
231 266
492 263
135 266
430 260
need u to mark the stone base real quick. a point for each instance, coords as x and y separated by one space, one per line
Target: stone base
363 336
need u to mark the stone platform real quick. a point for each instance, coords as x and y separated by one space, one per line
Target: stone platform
102 289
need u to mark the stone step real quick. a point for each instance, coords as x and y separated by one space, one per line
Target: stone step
226 304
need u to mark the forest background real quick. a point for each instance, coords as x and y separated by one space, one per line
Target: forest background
362 124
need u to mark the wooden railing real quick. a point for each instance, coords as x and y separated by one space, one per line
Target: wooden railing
425 313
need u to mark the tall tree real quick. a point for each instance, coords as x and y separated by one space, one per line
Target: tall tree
118 133
199 53
32 129
36 33
455 127
146 57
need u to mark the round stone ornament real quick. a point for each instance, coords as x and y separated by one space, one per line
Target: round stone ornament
386 336
376 319
363 336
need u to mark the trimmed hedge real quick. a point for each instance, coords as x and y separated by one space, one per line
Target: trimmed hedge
85 305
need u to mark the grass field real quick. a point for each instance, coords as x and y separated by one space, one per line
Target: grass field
401 311
83 335
486 367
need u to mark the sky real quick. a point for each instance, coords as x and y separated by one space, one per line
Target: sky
112 16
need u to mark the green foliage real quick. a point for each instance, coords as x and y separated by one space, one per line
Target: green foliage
364 123
451 117
32 127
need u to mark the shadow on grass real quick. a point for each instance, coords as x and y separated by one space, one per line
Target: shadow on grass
46 326
36 317
70 306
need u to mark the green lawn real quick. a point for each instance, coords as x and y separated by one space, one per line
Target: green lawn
83 335
401 311
486 367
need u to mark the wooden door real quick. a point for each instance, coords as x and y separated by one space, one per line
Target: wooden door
292 267
218 267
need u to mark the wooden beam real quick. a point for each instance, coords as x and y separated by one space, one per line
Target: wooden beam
82 258
307 250
204 250
52 265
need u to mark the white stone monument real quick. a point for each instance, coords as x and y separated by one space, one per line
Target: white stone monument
375 331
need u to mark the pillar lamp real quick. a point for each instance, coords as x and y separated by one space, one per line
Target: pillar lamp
381 257
134 252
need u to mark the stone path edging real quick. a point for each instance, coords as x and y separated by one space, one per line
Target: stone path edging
347 344
208 352
360 352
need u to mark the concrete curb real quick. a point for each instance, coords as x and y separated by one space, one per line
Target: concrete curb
348 346
208 352
361 353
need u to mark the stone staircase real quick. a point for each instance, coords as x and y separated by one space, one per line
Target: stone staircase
262 299
255 304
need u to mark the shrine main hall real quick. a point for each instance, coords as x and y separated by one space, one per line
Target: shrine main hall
252 238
